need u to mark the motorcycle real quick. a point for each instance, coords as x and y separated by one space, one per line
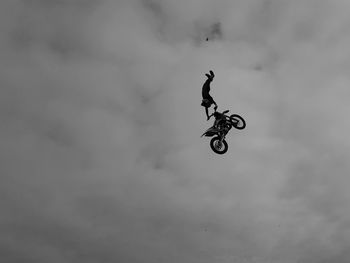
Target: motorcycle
222 125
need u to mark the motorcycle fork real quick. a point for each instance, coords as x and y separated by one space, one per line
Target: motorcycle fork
222 137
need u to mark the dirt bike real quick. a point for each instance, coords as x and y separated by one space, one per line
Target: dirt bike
222 125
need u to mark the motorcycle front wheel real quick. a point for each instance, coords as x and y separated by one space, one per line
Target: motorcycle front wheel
218 146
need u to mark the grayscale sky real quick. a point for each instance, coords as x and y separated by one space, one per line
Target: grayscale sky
101 155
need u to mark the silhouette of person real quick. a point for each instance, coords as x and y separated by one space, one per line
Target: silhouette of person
207 99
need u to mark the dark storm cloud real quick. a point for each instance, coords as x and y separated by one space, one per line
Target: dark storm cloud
101 158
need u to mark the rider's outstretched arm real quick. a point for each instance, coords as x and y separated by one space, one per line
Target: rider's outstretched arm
216 106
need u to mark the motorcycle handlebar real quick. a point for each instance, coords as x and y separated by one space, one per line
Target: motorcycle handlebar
223 113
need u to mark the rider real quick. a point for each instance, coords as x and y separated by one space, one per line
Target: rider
207 99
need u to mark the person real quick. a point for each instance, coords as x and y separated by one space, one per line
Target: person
207 99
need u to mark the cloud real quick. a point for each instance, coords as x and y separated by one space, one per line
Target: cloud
101 158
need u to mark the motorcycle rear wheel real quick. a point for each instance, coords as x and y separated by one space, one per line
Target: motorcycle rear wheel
218 146
237 121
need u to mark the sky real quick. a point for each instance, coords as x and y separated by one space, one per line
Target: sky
101 154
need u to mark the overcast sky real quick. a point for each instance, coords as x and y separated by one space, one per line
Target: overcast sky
101 155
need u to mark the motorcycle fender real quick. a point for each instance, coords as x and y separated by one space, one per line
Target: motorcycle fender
209 133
